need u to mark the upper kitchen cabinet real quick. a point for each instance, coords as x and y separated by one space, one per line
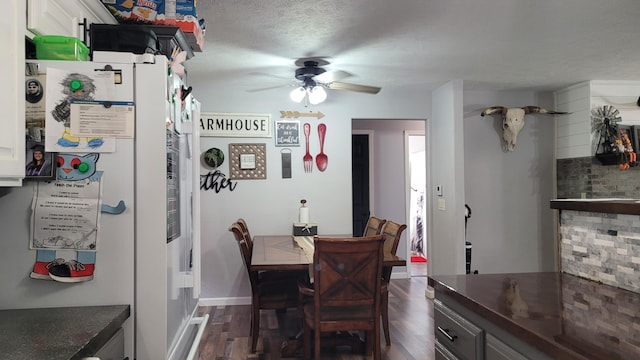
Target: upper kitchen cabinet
12 136
64 17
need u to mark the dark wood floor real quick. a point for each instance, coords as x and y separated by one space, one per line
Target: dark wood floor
411 327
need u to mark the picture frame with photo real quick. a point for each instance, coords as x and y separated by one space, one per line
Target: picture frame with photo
627 129
635 130
247 161
40 165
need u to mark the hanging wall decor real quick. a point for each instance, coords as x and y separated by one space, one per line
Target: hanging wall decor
322 159
604 126
247 161
287 133
288 114
213 158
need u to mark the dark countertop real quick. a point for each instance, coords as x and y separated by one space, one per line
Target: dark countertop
610 206
58 333
568 317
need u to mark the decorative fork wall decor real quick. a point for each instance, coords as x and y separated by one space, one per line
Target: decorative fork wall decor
307 159
322 160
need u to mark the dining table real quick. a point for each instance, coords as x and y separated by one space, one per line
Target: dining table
289 253
283 252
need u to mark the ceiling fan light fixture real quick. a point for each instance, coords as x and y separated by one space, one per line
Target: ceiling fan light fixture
317 94
298 94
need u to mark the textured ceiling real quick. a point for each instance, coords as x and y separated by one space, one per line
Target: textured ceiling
491 45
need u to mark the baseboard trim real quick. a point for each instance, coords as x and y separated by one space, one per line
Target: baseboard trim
400 275
245 300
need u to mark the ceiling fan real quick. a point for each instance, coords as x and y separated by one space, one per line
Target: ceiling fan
312 79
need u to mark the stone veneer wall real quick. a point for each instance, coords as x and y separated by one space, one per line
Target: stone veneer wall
587 176
601 247
589 308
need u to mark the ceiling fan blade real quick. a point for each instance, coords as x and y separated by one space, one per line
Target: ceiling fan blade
331 76
271 87
354 87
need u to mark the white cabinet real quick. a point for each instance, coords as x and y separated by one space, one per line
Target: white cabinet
63 17
12 98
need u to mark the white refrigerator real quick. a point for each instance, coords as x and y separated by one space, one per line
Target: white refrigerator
148 256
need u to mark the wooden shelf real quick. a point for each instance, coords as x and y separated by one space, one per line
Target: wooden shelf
609 206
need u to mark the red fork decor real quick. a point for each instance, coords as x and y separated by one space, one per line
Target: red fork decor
307 159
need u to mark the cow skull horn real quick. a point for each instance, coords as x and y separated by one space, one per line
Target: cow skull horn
513 120
494 109
539 110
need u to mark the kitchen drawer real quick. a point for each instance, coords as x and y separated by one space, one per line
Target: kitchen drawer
442 353
498 350
457 334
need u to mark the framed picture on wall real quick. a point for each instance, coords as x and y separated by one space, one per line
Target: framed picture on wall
287 133
629 131
247 161
635 130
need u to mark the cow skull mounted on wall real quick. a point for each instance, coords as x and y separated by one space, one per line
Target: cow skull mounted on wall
513 120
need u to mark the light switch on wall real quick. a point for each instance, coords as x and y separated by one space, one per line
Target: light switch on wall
439 190
441 204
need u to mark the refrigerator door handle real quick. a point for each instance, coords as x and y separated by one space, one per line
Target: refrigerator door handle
202 324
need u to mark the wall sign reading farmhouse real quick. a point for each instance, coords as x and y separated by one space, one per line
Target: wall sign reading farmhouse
235 125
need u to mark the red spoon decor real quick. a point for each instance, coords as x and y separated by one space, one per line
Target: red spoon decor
321 159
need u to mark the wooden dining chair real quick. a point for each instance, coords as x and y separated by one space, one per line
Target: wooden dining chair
245 230
273 294
268 275
374 226
392 232
347 275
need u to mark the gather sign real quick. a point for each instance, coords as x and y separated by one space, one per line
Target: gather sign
235 125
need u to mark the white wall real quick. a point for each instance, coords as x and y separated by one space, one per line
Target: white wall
573 131
511 226
445 168
270 206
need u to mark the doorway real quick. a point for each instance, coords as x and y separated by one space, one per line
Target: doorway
361 172
382 145
415 178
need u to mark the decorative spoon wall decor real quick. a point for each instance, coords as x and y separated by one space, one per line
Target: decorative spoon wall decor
321 159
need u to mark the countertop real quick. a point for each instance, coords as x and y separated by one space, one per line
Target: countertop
58 333
566 317
610 206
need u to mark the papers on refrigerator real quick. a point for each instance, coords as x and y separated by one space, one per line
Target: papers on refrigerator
65 87
102 118
66 215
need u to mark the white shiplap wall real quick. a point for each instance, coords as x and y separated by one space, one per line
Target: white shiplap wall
573 131
573 134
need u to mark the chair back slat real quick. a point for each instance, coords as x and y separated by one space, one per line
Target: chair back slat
245 252
347 271
392 232
374 226
245 229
